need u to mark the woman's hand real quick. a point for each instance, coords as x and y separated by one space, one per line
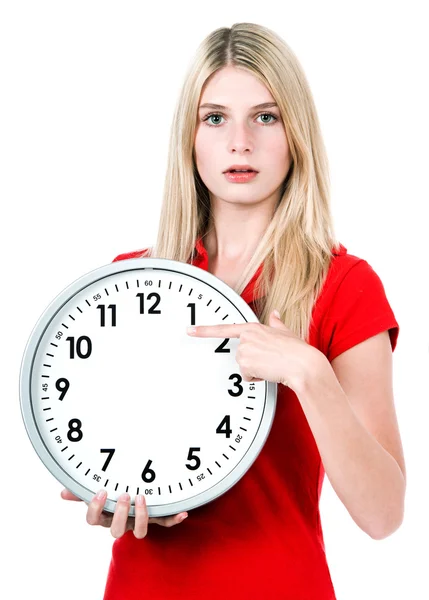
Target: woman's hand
120 522
269 352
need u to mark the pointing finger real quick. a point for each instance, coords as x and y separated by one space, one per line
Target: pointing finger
217 331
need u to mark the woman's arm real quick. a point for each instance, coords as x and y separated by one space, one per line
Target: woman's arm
350 409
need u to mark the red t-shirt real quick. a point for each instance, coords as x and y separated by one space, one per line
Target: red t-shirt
263 537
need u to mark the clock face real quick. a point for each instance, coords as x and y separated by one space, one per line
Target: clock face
116 395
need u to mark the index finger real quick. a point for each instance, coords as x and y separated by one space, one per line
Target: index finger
218 331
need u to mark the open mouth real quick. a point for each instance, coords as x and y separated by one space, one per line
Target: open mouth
240 176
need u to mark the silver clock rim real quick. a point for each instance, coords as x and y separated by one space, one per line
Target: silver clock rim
26 368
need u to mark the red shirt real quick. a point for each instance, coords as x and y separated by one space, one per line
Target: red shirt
263 537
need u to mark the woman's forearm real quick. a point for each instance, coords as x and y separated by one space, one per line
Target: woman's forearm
366 478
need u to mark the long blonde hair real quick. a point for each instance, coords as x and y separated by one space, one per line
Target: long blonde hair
297 247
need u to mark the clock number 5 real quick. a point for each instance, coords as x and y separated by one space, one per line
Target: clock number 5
196 458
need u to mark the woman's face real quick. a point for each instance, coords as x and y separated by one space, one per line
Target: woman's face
240 134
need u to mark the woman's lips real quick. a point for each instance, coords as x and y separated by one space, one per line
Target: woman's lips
236 177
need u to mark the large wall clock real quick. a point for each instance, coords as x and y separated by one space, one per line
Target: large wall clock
115 394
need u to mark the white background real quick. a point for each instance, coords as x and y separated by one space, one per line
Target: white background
87 96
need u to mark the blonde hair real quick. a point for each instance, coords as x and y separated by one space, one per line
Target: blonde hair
296 248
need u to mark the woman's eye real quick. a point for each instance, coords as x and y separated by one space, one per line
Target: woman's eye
217 116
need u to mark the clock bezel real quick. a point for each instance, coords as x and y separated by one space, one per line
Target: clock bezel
138 264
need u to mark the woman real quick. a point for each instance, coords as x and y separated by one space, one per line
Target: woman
246 104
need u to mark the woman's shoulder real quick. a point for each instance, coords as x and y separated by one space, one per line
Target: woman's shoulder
341 263
133 254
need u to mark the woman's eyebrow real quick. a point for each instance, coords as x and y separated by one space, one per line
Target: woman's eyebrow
221 107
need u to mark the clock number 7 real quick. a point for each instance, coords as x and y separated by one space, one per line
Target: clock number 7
110 452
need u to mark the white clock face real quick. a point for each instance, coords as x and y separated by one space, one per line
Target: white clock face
116 394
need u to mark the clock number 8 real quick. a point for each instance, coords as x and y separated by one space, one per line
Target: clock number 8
74 427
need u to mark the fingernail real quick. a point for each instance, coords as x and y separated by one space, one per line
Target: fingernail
101 494
276 312
124 497
191 330
139 500
183 517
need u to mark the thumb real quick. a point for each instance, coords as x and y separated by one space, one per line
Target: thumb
68 495
275 318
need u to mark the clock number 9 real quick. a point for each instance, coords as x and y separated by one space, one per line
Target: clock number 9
62 386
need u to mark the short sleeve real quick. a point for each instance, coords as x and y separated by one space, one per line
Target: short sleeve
359 310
